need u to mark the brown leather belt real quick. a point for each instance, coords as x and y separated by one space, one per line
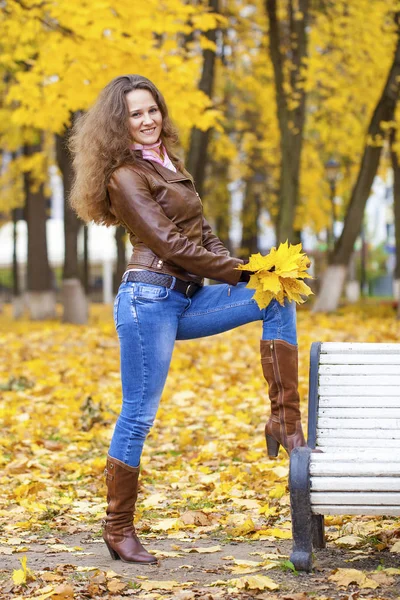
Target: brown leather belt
188 288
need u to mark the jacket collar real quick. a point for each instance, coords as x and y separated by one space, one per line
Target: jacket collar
165 173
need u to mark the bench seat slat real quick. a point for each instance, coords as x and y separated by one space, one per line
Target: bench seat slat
356 455
358 402
356 424
348 469
354 413
336 443
345 509
361 434
363 369
359 359
381 499
359 347
355 484
361 380
359 390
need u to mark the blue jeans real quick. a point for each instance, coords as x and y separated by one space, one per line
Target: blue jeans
149 318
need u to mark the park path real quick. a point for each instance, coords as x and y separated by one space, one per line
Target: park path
81 562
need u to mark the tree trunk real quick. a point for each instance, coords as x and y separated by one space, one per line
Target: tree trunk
217 208
197 155
120 237
74 300
291 121
396 203
250 217
17 299
40 288
331 289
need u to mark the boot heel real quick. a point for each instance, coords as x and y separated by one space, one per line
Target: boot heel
272 446
114 555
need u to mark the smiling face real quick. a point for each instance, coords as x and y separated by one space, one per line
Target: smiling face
145 118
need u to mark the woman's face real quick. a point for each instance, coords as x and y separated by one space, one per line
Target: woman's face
145 119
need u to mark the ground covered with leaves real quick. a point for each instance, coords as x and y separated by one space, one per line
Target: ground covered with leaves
212 506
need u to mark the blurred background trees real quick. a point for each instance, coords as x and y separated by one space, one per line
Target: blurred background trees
288 116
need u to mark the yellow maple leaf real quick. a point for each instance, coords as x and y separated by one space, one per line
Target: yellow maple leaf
271 283
345 577
295 289
239 524
278 275
278 491
159 585
21 576
255 582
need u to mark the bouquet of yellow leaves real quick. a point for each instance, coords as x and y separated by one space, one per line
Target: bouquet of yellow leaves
279 275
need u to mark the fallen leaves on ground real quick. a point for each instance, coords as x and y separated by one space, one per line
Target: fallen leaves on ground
345 577
204 468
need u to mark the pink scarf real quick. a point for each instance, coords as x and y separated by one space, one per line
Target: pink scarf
155 152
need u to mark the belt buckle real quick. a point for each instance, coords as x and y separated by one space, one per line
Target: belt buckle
190 290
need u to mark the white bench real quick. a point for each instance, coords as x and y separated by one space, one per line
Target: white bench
352 463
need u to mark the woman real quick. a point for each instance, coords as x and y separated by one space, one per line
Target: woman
127 173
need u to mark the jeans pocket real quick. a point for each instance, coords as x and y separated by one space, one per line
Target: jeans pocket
146 292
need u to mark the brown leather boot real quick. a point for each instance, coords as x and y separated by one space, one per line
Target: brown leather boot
119 533
279 361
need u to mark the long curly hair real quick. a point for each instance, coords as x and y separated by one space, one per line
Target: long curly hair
100 142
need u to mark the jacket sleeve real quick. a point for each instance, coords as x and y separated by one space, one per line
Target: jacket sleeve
133 204
211 242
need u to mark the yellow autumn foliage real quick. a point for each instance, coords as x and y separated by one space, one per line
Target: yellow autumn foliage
279 275
205 470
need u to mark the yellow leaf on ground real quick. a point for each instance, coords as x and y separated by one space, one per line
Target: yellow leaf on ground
392 571
238 525
255 582
243 503
278 491
46 592
195 517
204 550
349 541
154 500
239 570
21 576
282 534
383 578
64 591
280 471
114 586
165 525
395 547
159 585
14 541
345 577
247 563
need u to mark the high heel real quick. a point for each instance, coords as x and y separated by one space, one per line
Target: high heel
119 532
114 555
272 446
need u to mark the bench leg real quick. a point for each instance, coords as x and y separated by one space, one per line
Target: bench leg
318 531
299 485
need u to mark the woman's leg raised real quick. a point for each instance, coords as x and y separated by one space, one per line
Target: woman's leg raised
219 308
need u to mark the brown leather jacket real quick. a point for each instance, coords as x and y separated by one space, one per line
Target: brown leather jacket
163 215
